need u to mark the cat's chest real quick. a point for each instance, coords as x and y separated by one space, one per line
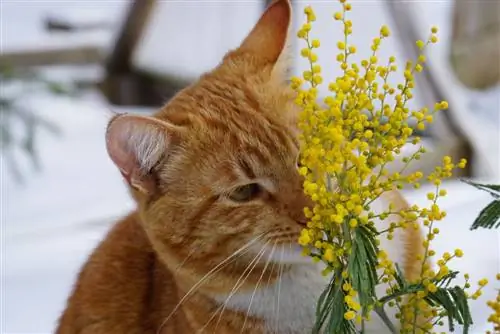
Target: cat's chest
286 306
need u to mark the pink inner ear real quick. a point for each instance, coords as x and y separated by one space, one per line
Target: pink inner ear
118 146
268 37
136 144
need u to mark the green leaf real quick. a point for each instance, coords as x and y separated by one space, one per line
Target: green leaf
446 280
489 217
324 304
57 88
6 72
455 302
400 279
362 265
461 303
330 310
404 288
387 321
5 104
452 300
492 189
5 136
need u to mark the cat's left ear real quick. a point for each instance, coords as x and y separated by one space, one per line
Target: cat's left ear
136 144
268 39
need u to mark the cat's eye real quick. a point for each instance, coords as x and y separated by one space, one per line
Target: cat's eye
298 161
300 165
245 193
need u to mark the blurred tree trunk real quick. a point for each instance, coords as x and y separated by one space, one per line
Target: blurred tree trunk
123 85
475 46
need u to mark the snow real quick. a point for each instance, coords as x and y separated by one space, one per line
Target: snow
29 34
38 274
78 182
213 27
52 222
481 247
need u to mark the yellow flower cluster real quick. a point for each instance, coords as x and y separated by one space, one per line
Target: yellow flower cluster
495 306
417 308
350 301
347 140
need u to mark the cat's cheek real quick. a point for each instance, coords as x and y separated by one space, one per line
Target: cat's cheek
228 230
230 219
245 227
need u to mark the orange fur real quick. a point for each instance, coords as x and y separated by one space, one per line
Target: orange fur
155 270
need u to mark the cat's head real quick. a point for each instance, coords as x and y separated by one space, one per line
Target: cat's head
216 168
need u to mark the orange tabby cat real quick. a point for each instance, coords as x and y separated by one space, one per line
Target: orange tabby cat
212 245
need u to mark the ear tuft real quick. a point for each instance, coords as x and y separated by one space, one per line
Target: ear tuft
269 36
136 144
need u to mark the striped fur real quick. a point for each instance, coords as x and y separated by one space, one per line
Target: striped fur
171 266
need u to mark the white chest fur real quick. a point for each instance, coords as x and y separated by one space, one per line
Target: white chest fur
288 305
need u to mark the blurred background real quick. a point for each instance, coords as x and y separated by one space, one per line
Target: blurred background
65 65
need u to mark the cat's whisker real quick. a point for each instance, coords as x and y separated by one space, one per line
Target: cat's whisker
237 285
269 284
279 288
273 264
180 265
240 283
207 275
257 286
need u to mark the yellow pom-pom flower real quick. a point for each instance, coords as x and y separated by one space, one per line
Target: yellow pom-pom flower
384 31
347 141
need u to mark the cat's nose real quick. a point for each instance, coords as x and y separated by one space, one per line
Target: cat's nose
300 215
296 205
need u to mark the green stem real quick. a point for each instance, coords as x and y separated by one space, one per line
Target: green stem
424 261
381 313
410 289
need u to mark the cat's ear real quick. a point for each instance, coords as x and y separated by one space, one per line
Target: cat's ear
136 144
268 39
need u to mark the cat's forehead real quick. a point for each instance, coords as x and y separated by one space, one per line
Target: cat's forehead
235 132
247 135
263 151
231 111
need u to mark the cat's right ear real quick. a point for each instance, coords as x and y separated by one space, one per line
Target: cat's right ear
136 144
268 39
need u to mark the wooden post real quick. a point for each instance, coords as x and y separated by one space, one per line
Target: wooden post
447 130
122 85
133 26
475 46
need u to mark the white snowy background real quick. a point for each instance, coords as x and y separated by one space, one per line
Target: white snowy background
50 223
